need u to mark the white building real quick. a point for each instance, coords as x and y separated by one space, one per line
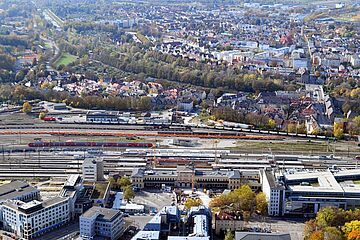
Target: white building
93 170
102 222
275 193
32 219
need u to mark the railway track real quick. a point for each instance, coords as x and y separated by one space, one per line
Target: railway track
140 134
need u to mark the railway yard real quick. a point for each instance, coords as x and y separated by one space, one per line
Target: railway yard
34 149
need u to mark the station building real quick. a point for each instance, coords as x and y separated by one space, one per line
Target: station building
185 176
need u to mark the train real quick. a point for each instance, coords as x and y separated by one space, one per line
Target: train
91 144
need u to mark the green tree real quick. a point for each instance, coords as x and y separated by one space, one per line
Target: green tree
26 107
246 199
261 204
330 217
19 75
229 235
124 182
128 193
190 202
332 233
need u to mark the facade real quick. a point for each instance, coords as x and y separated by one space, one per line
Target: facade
32 219
184 176
93 170
228 221
102 116
186 105
160 226
305 193
275 193
102 222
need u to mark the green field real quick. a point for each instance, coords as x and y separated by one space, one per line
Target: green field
65 59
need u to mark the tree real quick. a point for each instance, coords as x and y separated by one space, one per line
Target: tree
352 230
354 235
112 181
124 182
354 127
42 115
261 204
19 75
128 193
309 228
190 202
271 123
229 235
26 107
246 199
291 128
330 217
317 235
332 233
338 130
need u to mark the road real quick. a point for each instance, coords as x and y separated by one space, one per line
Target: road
64 233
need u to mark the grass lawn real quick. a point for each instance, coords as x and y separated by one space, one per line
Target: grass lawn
99 190
65 59
48 45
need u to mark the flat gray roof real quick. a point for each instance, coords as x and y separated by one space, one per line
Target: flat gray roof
15 189
104 214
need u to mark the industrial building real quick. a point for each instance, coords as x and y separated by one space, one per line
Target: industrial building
102 222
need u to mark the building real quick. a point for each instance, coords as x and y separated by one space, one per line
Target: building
18 190
184 176
275 193
160 225
307 192
185 104
168 218
228 221
59 106
261 236
199 221
102 222
32 219
93 170
102 116
72 189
